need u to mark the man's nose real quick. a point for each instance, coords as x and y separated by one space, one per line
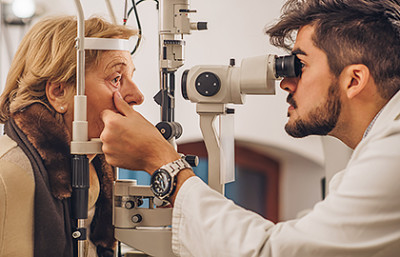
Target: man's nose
289 84
131 93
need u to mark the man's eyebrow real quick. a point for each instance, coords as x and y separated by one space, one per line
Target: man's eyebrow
298 51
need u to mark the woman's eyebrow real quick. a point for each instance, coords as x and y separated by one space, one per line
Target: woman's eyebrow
113 65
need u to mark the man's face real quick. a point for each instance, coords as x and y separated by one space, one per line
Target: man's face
314 97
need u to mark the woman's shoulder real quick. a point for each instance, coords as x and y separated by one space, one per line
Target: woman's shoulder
10 152
15 167
6 144
17 190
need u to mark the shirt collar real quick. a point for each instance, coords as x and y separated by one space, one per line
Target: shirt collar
372 124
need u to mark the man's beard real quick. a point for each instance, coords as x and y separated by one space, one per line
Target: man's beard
319 121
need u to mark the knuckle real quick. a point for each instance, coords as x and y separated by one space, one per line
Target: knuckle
104 138
105 149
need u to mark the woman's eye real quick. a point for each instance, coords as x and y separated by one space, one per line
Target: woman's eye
116 80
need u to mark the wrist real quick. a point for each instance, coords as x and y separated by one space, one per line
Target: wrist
159 161
164 181
181 178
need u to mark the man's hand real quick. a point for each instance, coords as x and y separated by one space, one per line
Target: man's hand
132 142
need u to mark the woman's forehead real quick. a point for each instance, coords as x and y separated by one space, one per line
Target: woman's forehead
115 59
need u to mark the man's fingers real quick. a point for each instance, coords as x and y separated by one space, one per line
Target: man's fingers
123 107
106 115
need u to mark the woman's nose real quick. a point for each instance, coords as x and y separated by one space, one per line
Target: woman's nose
289 84
131 93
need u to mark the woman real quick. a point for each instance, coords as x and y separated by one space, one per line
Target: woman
37 110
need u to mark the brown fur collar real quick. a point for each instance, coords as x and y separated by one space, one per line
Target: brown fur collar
52 141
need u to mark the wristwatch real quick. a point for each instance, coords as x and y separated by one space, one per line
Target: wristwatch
163 180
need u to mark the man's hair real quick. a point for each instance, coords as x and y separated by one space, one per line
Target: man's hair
349 32
47 53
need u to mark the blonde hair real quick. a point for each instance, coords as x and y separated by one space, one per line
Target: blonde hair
47 53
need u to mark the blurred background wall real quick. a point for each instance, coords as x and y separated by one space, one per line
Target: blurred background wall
235 30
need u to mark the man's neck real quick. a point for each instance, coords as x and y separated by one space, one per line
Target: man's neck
353 126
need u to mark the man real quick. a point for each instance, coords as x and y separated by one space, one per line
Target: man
350 51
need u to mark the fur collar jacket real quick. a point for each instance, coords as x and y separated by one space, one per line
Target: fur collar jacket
46 143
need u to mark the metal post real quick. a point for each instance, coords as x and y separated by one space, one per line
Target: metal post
80 162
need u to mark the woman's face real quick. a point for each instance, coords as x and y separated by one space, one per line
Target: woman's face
113 73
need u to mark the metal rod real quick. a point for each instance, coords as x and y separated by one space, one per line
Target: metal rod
111 12
164 96
125 19
80 45
80 170
171 104
81 243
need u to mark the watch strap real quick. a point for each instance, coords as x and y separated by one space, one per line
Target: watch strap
175 167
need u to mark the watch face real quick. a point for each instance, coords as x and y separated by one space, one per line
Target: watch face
160 183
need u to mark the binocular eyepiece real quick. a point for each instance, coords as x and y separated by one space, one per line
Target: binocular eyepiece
288 66
229 84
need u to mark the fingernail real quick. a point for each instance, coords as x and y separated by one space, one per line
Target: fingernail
119 94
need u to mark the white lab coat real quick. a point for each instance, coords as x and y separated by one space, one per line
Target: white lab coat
359 217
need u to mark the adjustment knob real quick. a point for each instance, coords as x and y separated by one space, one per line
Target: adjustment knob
170 129
129 204
136 218
202 25
158 202
193 160
208 84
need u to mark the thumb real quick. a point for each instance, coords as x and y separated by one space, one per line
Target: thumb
122 107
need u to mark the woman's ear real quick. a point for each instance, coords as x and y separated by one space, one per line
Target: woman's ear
57 95
354 79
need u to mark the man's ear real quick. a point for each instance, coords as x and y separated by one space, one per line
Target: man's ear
354 79
57 95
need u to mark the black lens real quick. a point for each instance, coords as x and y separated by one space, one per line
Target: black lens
288 66
184 84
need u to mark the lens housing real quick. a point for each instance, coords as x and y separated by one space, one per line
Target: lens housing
288 66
